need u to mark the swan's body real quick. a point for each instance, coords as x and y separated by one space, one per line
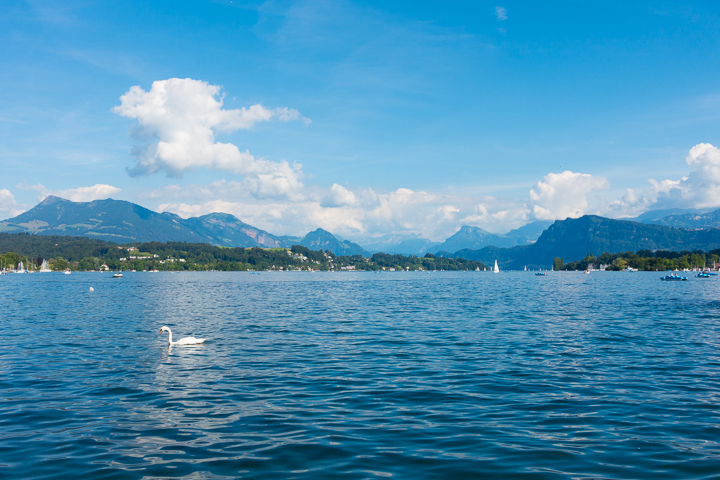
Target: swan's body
182 341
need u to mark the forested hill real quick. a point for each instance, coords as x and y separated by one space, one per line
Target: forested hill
575 238
90 254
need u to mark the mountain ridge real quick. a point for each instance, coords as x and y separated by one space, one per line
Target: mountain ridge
574 238
121 221
474 238
125 222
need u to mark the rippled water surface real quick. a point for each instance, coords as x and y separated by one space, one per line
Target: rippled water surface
360 375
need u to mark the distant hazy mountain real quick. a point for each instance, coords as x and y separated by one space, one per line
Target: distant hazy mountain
529 233
466 237
124 222
412 246
474 238
692 220
654 216
573 239
324 240
403 244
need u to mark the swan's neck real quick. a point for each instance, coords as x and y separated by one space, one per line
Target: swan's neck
169 336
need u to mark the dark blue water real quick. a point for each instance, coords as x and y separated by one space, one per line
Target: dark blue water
360 375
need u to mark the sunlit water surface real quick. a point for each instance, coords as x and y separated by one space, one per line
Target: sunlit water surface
360 375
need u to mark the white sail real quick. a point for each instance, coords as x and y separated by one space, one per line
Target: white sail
526 268
45 267
496 269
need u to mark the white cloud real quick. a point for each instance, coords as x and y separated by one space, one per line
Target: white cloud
363 213
699 189
9 207
182 115
339 196
501 13
80 194
563 195
357 213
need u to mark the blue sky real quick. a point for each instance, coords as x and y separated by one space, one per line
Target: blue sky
408 118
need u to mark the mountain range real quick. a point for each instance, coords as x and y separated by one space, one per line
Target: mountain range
124 222
535 244
476 238
690 219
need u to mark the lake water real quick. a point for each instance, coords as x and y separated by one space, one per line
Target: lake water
360 375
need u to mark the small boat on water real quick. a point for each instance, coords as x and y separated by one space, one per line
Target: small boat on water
587 272
68 272
703 275
540 274
673 277
496 269
117 275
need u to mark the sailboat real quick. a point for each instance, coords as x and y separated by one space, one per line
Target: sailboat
496 269
526 268
21 268
44 268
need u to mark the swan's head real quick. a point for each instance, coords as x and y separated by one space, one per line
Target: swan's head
164 329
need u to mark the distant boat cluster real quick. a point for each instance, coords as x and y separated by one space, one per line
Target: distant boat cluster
706 273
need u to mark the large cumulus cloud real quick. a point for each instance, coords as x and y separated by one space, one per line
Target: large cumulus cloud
177 119
699 189
563 195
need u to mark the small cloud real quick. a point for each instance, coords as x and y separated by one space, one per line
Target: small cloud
339 196
80 194
8 204
501 13
502 30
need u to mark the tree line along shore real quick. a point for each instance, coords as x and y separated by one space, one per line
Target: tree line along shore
644 260
83 254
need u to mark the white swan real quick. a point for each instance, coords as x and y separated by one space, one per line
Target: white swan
182 341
